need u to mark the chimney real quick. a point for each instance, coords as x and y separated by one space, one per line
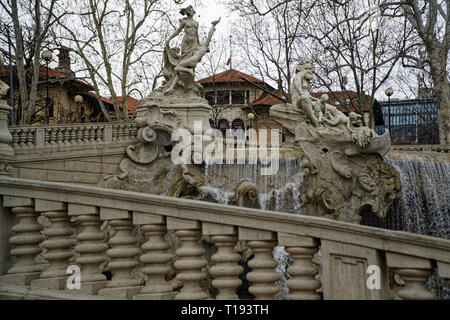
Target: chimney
64 62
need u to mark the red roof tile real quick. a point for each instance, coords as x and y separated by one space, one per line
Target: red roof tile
131 104
52 73
343 96
230 75
268 99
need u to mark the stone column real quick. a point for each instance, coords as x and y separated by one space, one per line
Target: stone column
302 284
91 248
263 274
191 262
58 244
226 270
25 241
415 272
122 254
155 259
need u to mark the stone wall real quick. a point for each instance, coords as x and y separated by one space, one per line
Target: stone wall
84 170
81 153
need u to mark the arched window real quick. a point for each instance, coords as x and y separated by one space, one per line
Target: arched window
237 124
223 125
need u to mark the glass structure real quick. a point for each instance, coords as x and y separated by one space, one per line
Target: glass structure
412 121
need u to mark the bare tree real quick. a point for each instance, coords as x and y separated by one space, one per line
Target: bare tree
269 37
113 40
356 48
431 21
31 21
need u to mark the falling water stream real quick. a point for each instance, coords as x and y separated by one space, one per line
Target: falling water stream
423 209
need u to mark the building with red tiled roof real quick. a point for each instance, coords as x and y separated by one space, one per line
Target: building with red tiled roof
63 87
228 76
131 103
236 95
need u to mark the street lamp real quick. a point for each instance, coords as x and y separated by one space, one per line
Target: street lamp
47 56
389 92
78 100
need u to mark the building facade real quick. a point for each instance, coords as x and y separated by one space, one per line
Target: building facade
411 121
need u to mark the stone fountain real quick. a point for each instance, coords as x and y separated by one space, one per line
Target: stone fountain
338 171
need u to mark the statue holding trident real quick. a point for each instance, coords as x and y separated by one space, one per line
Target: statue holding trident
178 61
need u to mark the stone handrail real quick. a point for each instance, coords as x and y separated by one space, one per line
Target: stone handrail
26 137
424 148
346 250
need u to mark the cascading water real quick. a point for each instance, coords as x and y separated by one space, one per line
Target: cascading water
423 209
425 204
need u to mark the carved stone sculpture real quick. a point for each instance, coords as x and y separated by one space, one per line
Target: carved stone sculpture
177 104
343 168
246 194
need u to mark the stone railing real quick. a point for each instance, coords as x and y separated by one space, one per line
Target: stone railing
26 137
422 148
355 262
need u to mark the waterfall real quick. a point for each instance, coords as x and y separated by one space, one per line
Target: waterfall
425 204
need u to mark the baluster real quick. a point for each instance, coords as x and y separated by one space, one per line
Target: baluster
91 248
86 134
25 242
30 138
415 272
303 284
263 275
126 132
15 138
100 134
52 136
120 132
133 131
73 136
22 138
80 135
226 270
155 259
66 140
190 261
92 134
122 255
60 136
58 244
115 133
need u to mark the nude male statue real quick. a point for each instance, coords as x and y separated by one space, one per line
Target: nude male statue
300 88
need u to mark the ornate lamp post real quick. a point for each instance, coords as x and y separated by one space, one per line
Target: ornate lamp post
47 56
389 92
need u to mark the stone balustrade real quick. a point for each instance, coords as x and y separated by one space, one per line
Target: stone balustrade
355 262
26 137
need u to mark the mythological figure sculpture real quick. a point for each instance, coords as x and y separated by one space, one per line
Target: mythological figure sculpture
178 61
343 169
